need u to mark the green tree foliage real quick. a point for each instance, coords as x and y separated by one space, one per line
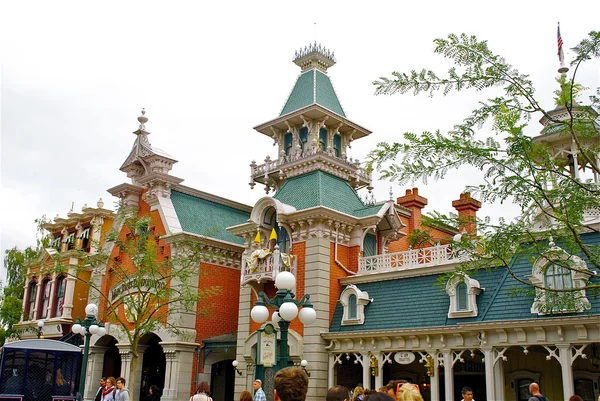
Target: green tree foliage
11 299
516 168
146 290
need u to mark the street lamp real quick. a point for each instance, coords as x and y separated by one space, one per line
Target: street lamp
87 328
286 310
40 325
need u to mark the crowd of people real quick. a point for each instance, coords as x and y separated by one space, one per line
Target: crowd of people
112 389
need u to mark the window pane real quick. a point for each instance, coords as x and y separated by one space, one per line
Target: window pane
323 139
461 296
337 145
370 245
352 307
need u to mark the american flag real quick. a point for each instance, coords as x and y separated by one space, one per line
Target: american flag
561 56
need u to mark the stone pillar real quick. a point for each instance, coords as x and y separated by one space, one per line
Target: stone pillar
125 353
490 382
331 371
448 375
499 380
379 377
241 382
317 259
178 371
94 371
69 294
435 379
566 359
52 297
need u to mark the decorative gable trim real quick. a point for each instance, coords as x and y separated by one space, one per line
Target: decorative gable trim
354 301
461 285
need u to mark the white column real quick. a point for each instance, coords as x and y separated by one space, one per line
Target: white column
69 294
331 370
435 380
448 375
490 383
52 297
125 353
243 332
566 359
366 379
94 371
499 379
379 377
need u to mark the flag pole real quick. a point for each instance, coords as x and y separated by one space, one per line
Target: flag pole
561 55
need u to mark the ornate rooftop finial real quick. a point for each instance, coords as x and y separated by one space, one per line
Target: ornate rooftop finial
143 120
314 56
391 194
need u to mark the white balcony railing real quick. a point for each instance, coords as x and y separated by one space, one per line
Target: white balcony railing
411 259
264 265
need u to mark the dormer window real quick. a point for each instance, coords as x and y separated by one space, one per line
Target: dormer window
463 292
288 140
303 136
337 145
558 270
354 301
323 139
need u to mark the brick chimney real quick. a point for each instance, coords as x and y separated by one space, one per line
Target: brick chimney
413 201
467 208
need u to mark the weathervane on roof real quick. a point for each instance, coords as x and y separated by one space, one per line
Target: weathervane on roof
314 56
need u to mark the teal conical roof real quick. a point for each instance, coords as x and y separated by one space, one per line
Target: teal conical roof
313 87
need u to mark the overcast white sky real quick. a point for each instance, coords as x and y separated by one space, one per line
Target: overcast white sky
75 76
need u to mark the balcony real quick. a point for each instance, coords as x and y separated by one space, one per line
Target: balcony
274 172
263 265
411 259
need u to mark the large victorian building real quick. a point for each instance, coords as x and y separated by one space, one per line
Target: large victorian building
380 315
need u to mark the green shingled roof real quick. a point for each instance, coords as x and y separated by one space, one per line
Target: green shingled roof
313 87
204 217
427 305
322 189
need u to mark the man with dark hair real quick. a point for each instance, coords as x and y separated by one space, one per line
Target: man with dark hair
467 393
291 384
338 393
98 396
122 393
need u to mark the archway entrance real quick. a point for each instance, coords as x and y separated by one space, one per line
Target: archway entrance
112 359
153 364
222 375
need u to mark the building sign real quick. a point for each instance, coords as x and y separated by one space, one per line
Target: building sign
147 284
268 346
404 358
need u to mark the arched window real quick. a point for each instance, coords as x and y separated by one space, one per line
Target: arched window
558 277
323 139
303 138
46 287
287 143
60 296
462 302
337 145
352 306
32 291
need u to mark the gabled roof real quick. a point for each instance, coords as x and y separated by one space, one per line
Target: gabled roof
205 217
322 189
425 305
313 87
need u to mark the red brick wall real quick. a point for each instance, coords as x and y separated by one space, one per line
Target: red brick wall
347 256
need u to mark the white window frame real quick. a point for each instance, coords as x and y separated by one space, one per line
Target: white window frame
579 275
362 300
473 289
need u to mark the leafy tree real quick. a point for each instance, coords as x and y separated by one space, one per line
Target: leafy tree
11 299
516 168
142 290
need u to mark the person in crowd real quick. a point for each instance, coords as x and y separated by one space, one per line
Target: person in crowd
108 393
358 394
259 394
534 390
467 393
122 392
98 396
338 393
409 392
383 389
575 397
153 394
379 396
245 396
202 393
291 384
